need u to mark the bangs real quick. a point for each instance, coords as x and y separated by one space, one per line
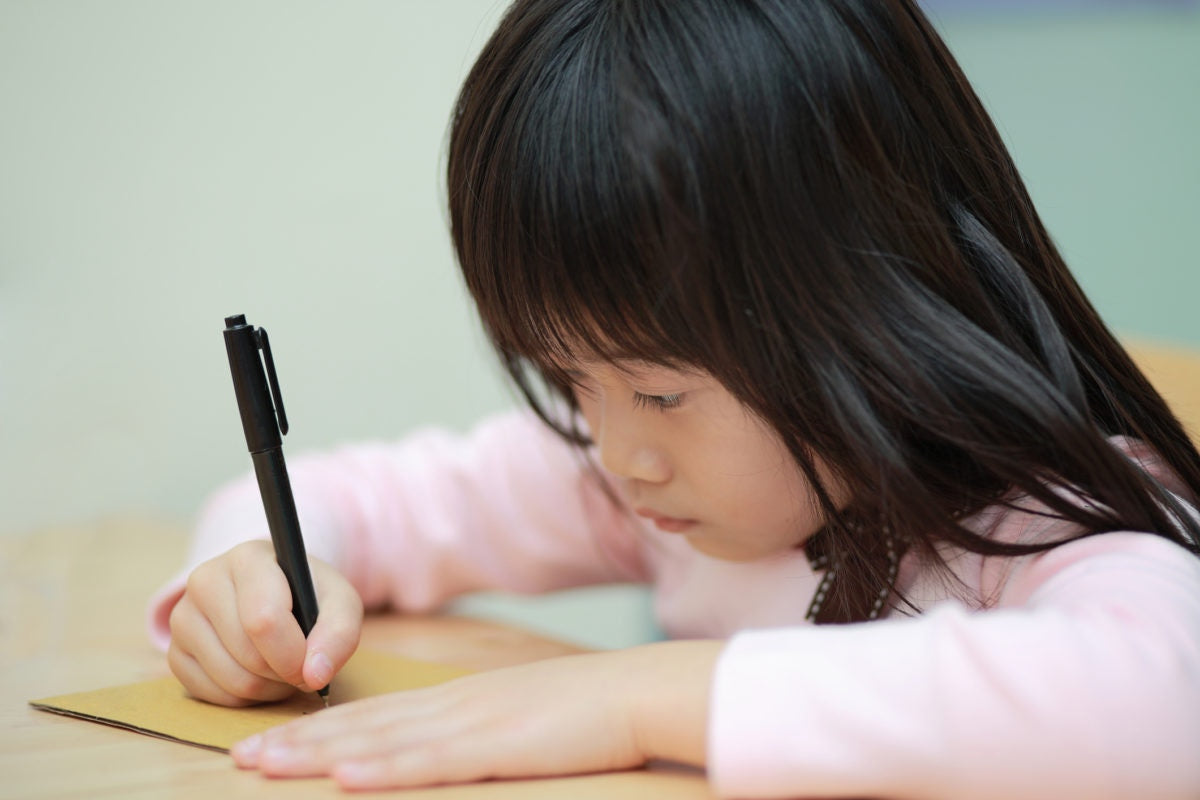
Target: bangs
575 234
625 184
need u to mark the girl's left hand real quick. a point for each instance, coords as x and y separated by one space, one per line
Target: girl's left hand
586 713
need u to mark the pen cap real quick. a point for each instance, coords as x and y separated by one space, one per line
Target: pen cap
250 385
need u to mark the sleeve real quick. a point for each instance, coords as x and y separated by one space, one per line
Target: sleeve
1083 682
415 523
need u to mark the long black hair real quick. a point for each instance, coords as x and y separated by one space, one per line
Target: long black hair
808 201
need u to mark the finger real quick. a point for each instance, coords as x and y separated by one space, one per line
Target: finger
313 745
196 681
356 730
414 713
409 769
443 762
199 642
341 723
200 684
477 753
211 587
262 623
335 636
359 732
301 760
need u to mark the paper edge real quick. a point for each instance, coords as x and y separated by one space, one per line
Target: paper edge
116 723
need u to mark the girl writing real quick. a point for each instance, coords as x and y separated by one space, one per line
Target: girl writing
799 351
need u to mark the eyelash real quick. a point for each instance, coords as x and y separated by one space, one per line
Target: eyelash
657 402
654 402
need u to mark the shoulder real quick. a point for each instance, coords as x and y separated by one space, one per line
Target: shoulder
1108 568
1019 520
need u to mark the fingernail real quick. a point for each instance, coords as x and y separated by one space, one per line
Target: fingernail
246 751
321 669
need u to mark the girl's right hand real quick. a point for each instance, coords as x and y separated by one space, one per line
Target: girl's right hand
234 640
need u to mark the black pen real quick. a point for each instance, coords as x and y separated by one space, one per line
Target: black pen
264 423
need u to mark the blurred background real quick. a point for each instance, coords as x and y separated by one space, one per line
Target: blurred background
166 164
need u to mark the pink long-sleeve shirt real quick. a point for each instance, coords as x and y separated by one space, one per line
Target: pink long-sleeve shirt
1069 674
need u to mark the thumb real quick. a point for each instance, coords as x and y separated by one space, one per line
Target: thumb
334 637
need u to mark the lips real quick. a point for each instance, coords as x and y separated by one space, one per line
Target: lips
664 522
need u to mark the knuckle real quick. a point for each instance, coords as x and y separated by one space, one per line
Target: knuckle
205 578
174 661
248 553
176 619
198 579
254 662
201 687
247 685
260 621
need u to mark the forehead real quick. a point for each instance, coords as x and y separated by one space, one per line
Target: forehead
627 365
588 346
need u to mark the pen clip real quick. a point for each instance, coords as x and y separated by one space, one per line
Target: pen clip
265 345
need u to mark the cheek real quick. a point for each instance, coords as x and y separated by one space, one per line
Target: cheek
589 408
785 501
778 501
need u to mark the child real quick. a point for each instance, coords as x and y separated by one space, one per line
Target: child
801 351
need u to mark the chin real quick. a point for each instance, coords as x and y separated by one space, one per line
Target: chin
723 551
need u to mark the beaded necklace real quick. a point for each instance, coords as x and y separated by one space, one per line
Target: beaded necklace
823 562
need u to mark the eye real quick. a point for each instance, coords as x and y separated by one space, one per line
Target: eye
658 402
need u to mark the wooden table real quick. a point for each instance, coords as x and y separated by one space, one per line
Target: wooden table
1175 372
71 619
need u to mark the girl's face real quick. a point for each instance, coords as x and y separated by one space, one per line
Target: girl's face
695 461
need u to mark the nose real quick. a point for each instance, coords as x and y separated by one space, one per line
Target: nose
627 449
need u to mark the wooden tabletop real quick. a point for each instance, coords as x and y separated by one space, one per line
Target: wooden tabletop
1175 372
72 609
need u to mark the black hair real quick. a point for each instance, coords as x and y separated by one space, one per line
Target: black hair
807 201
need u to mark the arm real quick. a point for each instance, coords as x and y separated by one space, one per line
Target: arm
1083 682
415 523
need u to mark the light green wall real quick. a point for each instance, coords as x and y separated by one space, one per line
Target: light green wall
166 164
1102 113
